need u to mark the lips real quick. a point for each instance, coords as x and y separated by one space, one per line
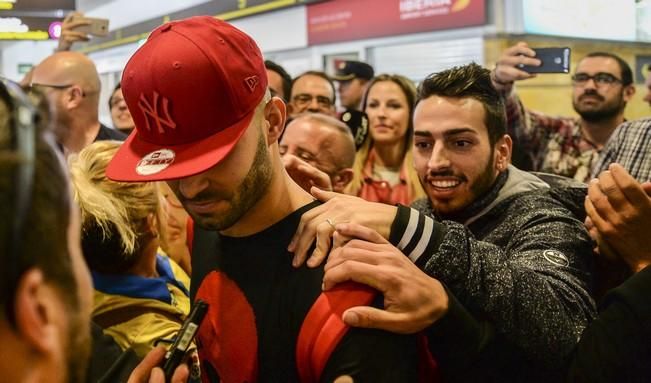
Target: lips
204 207
445 184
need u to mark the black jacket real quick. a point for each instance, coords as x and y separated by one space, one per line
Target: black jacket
517 265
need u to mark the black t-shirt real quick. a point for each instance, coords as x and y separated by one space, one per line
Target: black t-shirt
257 305
105 133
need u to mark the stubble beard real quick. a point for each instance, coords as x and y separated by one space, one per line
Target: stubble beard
248 193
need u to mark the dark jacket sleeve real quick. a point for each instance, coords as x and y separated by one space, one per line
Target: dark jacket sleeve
532 287
616 347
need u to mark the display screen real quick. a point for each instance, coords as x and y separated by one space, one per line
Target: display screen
625 20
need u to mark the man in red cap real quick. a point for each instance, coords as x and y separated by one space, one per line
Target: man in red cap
206 123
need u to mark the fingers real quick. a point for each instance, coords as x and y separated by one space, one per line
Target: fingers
611 191
353 230
144 369
647 188
361 270
594 193
317 177
324 233
74 36
627 185
323 195
181 374
370 317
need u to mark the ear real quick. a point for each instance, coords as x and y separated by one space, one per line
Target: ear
503 152
275 113
153 224
74 96
629 91
342 179
38 312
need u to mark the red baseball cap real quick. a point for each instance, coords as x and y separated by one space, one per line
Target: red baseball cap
192 90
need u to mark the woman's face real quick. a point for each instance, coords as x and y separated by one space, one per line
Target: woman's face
388 112
119 113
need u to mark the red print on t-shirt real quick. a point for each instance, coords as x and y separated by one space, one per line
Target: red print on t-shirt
228 335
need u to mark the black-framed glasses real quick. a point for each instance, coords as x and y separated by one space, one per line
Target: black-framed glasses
304 99
22 142
600 78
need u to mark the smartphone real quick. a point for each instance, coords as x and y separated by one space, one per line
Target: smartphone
96 26
177 352
553 60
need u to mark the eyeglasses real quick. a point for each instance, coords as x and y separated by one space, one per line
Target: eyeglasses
35 85
305 99
601 78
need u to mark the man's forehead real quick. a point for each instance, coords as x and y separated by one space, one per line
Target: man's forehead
593 65
446 116
311 83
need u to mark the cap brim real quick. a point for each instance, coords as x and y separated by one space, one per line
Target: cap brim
344 77
189 159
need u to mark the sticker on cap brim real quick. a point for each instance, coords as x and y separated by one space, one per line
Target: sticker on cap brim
155 162
556 257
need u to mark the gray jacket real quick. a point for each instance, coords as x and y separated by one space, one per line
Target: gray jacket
518 267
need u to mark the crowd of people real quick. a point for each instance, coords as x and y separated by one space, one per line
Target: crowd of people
433 231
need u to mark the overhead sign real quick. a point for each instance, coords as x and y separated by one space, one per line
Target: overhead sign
345 20
29 28
222 9
37 5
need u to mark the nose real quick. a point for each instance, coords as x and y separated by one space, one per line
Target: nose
190 187
314 105
439 159
590 84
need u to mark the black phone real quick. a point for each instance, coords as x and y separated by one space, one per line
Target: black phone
177 352
553 60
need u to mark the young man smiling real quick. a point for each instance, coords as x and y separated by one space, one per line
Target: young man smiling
504 264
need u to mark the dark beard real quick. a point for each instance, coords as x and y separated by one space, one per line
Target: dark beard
248 193
606 112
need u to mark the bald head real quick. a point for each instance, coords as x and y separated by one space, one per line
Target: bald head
68 68
70 82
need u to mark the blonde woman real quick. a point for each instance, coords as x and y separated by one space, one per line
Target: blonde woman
140 295
383 169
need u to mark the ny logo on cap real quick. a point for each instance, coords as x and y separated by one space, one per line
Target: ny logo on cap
162 120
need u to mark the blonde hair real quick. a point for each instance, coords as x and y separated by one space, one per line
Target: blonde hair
414 187
115 208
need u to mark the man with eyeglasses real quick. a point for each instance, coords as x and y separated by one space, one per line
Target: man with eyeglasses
602 85
312 92
71 84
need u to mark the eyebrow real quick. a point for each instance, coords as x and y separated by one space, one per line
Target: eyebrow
447 133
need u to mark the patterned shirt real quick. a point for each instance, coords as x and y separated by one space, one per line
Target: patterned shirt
553 144
629 146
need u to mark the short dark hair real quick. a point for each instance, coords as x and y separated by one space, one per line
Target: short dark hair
321 74
43 237
469 81
625 69
287 79
110 100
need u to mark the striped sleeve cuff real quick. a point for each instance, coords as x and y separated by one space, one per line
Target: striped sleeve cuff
416 234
